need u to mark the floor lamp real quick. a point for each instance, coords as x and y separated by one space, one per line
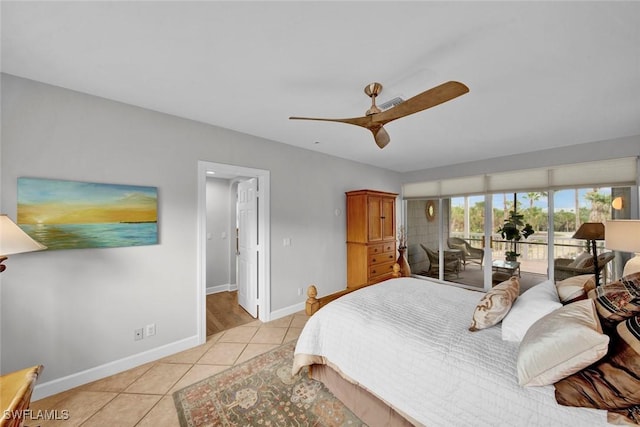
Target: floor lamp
592 231
14 241
624 236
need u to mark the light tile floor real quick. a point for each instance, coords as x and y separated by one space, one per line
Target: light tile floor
142 396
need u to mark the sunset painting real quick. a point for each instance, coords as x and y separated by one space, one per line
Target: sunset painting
71 215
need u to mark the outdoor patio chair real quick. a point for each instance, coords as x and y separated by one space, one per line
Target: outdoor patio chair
567 267
451 263
469 253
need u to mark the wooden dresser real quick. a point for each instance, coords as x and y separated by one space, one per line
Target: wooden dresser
371 237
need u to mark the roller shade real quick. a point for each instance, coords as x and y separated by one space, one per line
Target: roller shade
610 173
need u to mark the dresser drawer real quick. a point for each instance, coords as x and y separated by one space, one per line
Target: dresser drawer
376 259
381 248
380 269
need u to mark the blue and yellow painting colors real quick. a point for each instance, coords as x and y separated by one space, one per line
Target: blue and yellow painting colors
71 215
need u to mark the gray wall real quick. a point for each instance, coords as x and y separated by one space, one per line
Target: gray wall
73 310
219 235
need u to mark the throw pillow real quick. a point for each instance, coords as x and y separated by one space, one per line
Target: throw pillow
574 287
624 417
590 285
619 300
532 305
614 382
495 304
560 344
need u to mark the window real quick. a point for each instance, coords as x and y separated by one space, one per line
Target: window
455 238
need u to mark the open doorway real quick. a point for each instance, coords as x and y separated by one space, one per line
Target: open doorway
225 198
252 272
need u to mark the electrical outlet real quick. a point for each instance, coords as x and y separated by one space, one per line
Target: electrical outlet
138 334
299 291
150 330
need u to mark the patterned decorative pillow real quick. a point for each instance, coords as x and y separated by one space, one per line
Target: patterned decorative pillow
612 383
495 304
560 344
619 300
574 287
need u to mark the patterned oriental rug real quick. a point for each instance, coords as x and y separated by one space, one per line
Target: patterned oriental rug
262 392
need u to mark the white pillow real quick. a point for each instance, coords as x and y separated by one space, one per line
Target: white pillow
532 305
560 344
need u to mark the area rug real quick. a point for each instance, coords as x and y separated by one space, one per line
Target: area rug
262 392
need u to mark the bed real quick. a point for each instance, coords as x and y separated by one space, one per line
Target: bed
406 344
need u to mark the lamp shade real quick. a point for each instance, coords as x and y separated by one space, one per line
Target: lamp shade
13 240
590 231
623 235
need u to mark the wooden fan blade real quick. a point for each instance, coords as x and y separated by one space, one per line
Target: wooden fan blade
381 136
364 122
427 99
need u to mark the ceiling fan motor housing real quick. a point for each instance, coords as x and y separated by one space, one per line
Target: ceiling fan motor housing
372 90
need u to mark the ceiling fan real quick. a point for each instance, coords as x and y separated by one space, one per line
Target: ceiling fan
374 119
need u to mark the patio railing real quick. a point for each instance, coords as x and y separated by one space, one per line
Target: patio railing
534 253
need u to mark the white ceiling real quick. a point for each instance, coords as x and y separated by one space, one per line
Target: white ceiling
541 74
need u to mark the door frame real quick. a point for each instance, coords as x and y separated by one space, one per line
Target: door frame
222 170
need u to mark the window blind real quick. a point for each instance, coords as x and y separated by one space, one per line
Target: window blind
615 172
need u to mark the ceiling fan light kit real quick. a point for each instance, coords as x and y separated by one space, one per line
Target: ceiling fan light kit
374 119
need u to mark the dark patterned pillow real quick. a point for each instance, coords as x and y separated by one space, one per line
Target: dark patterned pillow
626 416
612 383
618 300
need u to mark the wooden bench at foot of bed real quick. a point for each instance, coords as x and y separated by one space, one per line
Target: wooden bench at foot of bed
314 304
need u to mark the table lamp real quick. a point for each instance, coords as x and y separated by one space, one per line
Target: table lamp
592 231
624 236
14 241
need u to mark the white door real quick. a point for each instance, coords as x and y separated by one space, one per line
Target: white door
248 246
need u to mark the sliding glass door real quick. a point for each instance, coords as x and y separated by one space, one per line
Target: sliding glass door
446 239
519 237
461 240
575 207
524 220
464 239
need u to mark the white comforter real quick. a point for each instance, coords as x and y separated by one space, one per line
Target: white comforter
407 341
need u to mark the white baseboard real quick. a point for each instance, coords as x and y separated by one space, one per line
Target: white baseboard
228 287
292 309
84 377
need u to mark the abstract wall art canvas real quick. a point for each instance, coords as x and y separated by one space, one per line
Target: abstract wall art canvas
72 215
